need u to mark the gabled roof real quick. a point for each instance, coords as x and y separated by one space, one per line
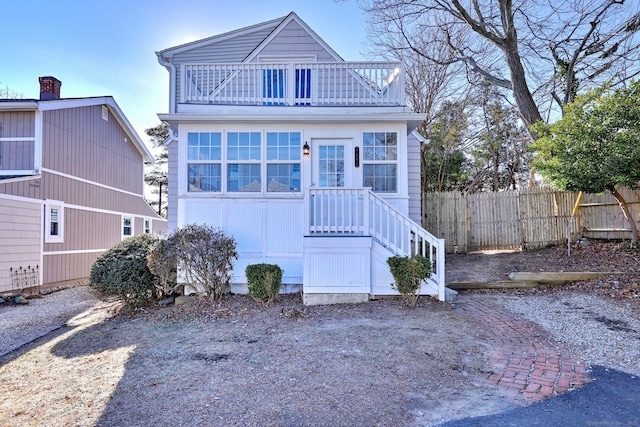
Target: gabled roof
274 27
268 25
60 104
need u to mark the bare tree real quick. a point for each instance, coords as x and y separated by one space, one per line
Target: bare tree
539 50
8 93
428 83
158 177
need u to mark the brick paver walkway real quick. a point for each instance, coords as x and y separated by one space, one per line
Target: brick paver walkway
526 360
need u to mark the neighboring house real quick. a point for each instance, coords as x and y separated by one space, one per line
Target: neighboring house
71 186
308 161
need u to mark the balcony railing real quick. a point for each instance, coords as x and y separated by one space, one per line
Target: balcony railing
294 84
359 211
16 156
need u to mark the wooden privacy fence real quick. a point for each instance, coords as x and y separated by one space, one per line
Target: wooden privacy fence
529 218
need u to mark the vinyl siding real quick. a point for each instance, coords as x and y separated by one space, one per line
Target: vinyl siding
87 230
17 155
293 40
20 237
413 168
16 124
29 188
60 270
233 50
72 191
78 142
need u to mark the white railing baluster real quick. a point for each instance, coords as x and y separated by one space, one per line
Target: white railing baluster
333 83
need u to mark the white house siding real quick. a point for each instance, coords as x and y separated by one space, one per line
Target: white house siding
231 50
20 237
266 231
413 162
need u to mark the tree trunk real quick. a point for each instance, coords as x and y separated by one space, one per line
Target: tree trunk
524 100
496 179
627 214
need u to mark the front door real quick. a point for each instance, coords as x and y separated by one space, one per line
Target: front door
331 163
333 210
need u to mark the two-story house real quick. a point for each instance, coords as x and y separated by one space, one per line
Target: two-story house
71 186
308 161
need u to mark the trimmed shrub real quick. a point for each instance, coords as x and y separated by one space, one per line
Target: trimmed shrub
163 264
205 257
409 272
122 271
264 281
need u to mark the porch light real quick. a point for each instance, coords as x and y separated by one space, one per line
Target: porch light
305 149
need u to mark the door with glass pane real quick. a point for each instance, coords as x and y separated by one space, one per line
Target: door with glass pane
334 208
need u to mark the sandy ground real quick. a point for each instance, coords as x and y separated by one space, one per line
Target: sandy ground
241 363
245 364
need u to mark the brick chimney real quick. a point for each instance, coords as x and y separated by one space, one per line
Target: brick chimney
49 88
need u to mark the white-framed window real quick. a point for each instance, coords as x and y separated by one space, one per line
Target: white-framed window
204 161
283 161
244 162
127 226
253 162
54 222
147 226
380 161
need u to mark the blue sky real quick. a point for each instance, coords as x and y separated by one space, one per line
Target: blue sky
108 47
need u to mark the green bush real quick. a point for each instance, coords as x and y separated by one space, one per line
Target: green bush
409 272
163 264
122 271
205 257
264 281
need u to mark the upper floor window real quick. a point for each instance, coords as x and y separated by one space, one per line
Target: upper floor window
380 161
147 226
54 220
204 157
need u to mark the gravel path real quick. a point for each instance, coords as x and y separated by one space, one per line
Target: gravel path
605 332
21 324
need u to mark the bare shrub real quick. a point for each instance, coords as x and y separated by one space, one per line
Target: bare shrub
205 257
163 263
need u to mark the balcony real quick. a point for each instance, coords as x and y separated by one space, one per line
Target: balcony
294 84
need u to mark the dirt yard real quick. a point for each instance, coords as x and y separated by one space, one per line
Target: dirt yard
240 363
355 365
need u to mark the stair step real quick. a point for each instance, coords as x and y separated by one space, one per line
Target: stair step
450 295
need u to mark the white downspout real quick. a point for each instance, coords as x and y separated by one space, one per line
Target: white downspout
172 80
